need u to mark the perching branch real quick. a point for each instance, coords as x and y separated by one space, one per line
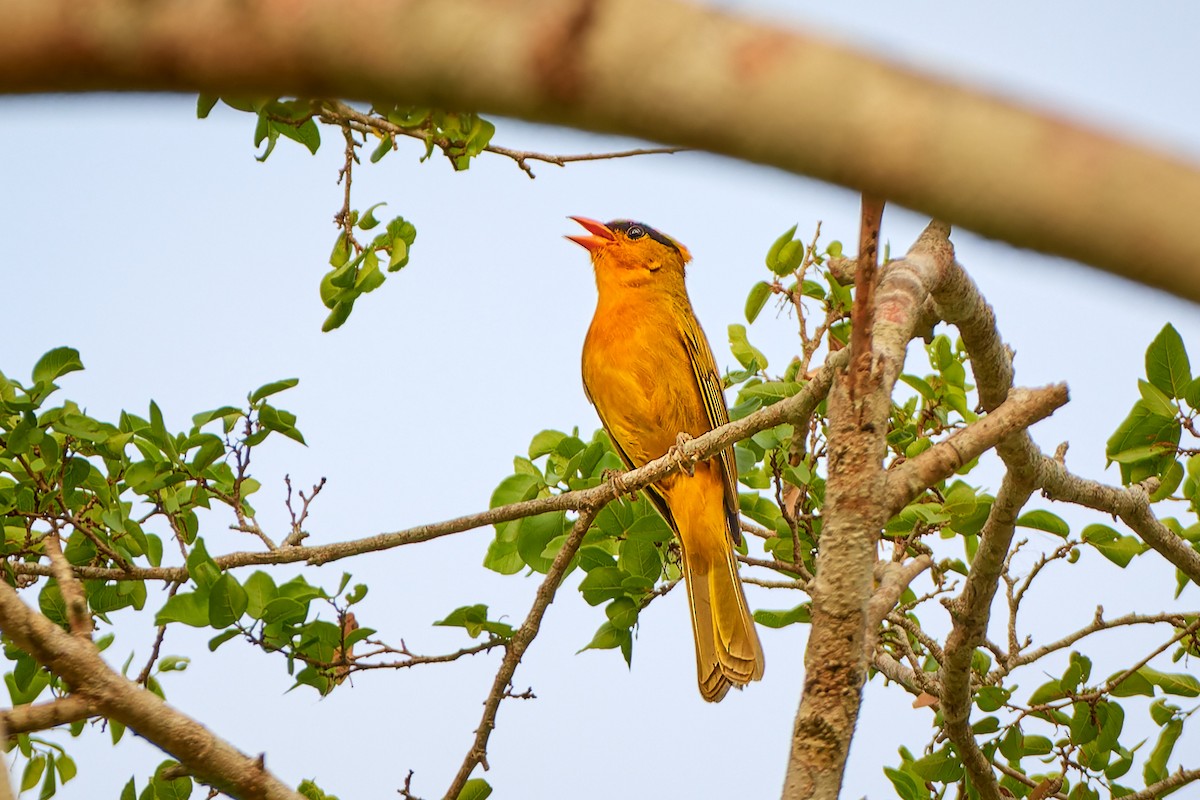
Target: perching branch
791 410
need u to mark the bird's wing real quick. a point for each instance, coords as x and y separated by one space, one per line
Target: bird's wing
704 366
653 492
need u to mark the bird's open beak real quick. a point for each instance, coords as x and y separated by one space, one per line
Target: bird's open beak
601 235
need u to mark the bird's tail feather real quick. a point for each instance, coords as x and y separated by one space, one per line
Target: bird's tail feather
728 652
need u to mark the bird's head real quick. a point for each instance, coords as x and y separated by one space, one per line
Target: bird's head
629 251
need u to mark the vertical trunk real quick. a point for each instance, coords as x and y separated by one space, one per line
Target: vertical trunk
836 660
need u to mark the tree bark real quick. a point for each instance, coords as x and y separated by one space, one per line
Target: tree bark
690 76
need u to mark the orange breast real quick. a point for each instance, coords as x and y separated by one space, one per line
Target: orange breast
640 377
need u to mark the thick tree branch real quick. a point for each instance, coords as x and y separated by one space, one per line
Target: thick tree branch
6 792
970 613
1007 172
836 658
957 300
896 578
1022 409
1131 504
44 716
77 661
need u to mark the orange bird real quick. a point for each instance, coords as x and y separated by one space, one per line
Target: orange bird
649 371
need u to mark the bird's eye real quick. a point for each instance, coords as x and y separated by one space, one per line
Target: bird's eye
635 232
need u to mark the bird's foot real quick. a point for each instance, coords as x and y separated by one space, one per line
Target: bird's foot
685 463
617 479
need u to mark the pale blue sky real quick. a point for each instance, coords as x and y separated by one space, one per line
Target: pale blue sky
186 272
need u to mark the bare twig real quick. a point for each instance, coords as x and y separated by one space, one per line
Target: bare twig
297 533
350 118
515 650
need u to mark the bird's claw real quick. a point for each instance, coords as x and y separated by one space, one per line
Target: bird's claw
685 463
617 479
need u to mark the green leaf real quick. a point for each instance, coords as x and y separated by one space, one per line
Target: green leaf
1036 745
1162 712
923 388
221 638
608 637
268 389
33 772
1142 435
65 766
770 392
1155 768
1179 684
204 104
475 789
227 601
382 149
399 255
475 620
1135 684
1051 690
190 608
1157 401
1167 364
940 766
338 316
502 557
776 247
779 619
176 789
260 590
907 786
55 364
545 442
514 489
639 557
747 354
306 133
1170 481
601 584
759 294
991 698
622 612
535 533
201 568
1116 548
1044 521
